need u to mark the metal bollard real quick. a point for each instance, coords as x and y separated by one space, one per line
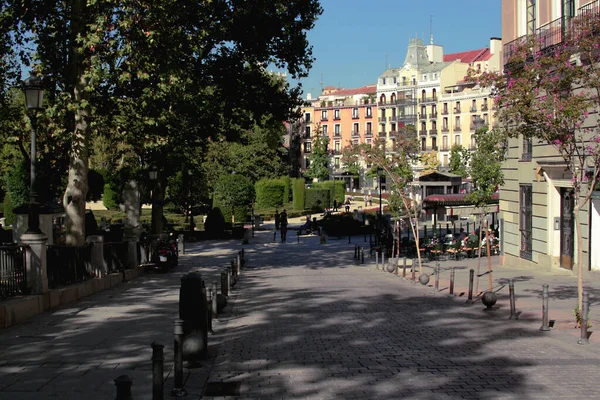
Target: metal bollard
362 255
511 295
123 384
224 284
240 262
157 371
228 280
274 235
436 282
383 262
545 321
298 237
209 318
404 269
451 287
376 260
355 251
471 278
178 389
413 276
585 305
348 238
214 300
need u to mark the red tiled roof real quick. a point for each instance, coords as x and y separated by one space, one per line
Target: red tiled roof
470 56
349 92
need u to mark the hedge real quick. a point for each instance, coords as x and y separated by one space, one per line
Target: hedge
317 199
286 189
337 189
270 193
298 193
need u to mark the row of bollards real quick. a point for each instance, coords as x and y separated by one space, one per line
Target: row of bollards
190 331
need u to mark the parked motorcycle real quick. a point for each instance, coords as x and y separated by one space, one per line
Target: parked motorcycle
167 256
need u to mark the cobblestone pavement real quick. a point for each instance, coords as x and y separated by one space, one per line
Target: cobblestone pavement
305 321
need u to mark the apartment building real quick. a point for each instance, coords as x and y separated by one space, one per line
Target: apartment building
536 201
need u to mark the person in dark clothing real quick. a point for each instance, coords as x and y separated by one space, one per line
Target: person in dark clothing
277 219
335 205
284 223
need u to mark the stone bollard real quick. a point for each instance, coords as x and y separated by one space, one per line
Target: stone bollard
585 309
471 278
157 371
192 310
404 268
511 295
229 281
123 384
207 293
178 390
181 243
436 281
545 321
214 300
451 286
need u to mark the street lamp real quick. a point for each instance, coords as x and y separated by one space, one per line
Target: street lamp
190 174
34 96
153 175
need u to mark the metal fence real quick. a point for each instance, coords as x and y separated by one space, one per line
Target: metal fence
115 254
13 277
67 265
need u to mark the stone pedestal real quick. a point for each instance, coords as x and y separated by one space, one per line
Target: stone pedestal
99 266
35 261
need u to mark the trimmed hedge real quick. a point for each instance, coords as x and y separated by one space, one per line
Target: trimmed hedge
337 190
270 193
317 199
298 193
286 189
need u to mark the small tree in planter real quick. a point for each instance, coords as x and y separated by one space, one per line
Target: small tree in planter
395 163
549 96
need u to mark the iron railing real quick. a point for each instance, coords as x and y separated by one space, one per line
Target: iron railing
13 274
68 265
115 254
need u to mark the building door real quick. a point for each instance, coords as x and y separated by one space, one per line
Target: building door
567 203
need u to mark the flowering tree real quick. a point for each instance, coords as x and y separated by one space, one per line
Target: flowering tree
396 162
548 94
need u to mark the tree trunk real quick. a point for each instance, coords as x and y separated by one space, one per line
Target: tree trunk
158 196
478 257
579 258
77 185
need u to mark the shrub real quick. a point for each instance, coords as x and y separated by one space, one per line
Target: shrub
215 224
286 189
340 225
337 190
8 210
270 193
110 198
234 191
298 193
317 199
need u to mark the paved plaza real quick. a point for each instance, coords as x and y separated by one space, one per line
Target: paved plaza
308 321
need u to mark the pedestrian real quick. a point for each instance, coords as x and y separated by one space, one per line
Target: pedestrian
347 205
335 205
366 200
284 223
370 201
277 219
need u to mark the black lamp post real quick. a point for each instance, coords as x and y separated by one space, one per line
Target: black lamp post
34 96
153 175
191 205
379 176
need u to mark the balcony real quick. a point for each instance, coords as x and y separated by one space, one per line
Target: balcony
445 148
369 116
307 151
445 129
445 112
382 119
324 119
392 119
457 128
355 116
428 99
406 118
433 115
337 134
472 147
484 107
387 103
407 101
473 109
423 132
456 110
381 134
432 132
422 115
369 134
355 133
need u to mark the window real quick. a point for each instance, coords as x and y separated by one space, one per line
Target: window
393 127
445 162
531 11
457 107
445 142
473 142
324 115
369 128
394 79
336 129
355 113
355 141
307 163
307 147
337 147
457 123
336 114
369 112
306 117
423 144
445 108
445 123
336 162
434 143
384 81
525 220
568 8
355 130
307 131
457 140
325 130
527 149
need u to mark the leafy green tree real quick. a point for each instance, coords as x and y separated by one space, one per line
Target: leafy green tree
553 97
430 162
319 158
460 158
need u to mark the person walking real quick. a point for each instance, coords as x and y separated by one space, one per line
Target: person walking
335 205
284 223
277 219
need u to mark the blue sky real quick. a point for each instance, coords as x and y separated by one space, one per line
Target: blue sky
352 38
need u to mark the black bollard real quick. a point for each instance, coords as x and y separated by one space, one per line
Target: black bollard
585 305
451 287
224 286
123 384
229 283
192 310
274 235
545 321
355 251
214 301
471 278
240 264
348 238
362 255
157 371
209 296
511 295
178 389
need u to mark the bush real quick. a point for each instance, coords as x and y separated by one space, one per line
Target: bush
17 184
110 198
234 191
298 193
286 189
270 193
337 190
317 199
215 224
340 225
8 210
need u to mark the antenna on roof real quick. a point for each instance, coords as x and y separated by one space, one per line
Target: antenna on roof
430 29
